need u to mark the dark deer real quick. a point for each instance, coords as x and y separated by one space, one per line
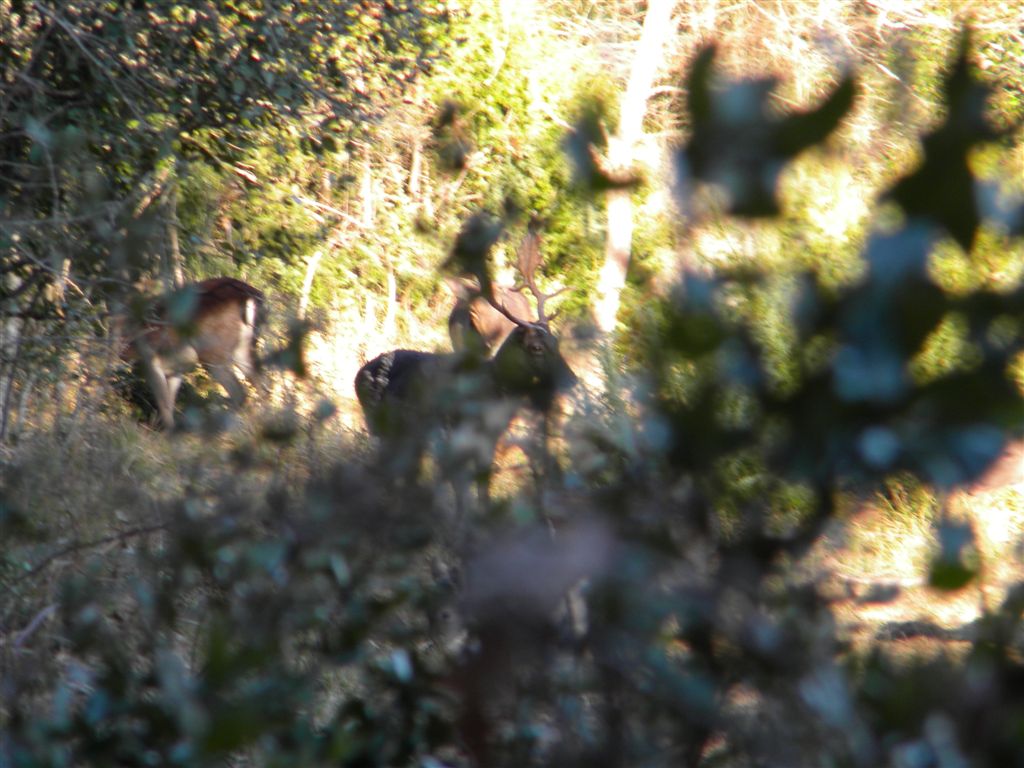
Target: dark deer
411 399
214 323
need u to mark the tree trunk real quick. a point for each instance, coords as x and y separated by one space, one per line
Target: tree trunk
307 282
173 250
366 193
656 30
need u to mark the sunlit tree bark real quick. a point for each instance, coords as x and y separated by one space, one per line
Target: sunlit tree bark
649 56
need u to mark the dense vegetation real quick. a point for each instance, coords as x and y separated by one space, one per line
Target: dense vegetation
825 294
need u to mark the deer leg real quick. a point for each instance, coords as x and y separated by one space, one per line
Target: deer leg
227 378
173 385
483 487
538 461
462 504
164 389
471 500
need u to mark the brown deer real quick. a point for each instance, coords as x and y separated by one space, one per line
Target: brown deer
462 402
474 324
214 323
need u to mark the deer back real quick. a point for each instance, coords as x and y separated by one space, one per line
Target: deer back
396 389
229 316
214 323
211 322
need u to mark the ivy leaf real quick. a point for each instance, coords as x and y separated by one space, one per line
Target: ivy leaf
587 148
955 564
181 307
12 519
452 138
740 145
695 326
282 427
472 246
942 188
292 356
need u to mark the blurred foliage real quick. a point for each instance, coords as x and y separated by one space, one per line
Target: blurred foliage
738 145
258 602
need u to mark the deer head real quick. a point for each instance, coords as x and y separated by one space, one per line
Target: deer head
484 315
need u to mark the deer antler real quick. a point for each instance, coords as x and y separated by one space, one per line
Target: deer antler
528 259
504 310
478 234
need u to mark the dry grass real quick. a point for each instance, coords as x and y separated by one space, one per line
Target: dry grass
881 561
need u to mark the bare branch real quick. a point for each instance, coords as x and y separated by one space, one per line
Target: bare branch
37 621
80 545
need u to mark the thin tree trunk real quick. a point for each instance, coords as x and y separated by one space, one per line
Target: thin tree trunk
11 352
617 252
366 194
62 283
416 169
23 403
618 245
390 315
174 267
369 208
19 331
307 282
